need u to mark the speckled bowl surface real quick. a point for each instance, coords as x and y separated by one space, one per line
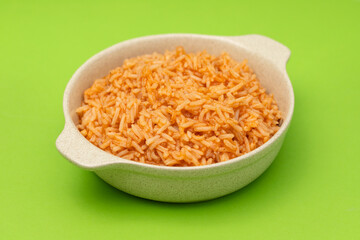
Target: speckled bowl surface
179 184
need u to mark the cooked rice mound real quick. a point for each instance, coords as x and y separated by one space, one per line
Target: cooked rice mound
179 109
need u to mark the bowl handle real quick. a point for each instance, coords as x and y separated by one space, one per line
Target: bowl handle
78 150
264 46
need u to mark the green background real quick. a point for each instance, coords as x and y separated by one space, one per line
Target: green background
311 191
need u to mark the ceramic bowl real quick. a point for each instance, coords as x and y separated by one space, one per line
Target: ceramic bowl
179 184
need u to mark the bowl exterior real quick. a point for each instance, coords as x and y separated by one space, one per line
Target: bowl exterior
192 187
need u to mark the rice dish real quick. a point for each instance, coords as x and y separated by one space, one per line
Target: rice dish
179 109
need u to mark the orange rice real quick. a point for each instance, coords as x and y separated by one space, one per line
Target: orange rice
179 109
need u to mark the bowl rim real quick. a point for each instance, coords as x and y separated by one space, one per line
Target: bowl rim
282 130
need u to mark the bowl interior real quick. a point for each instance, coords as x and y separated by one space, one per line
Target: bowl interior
271 76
